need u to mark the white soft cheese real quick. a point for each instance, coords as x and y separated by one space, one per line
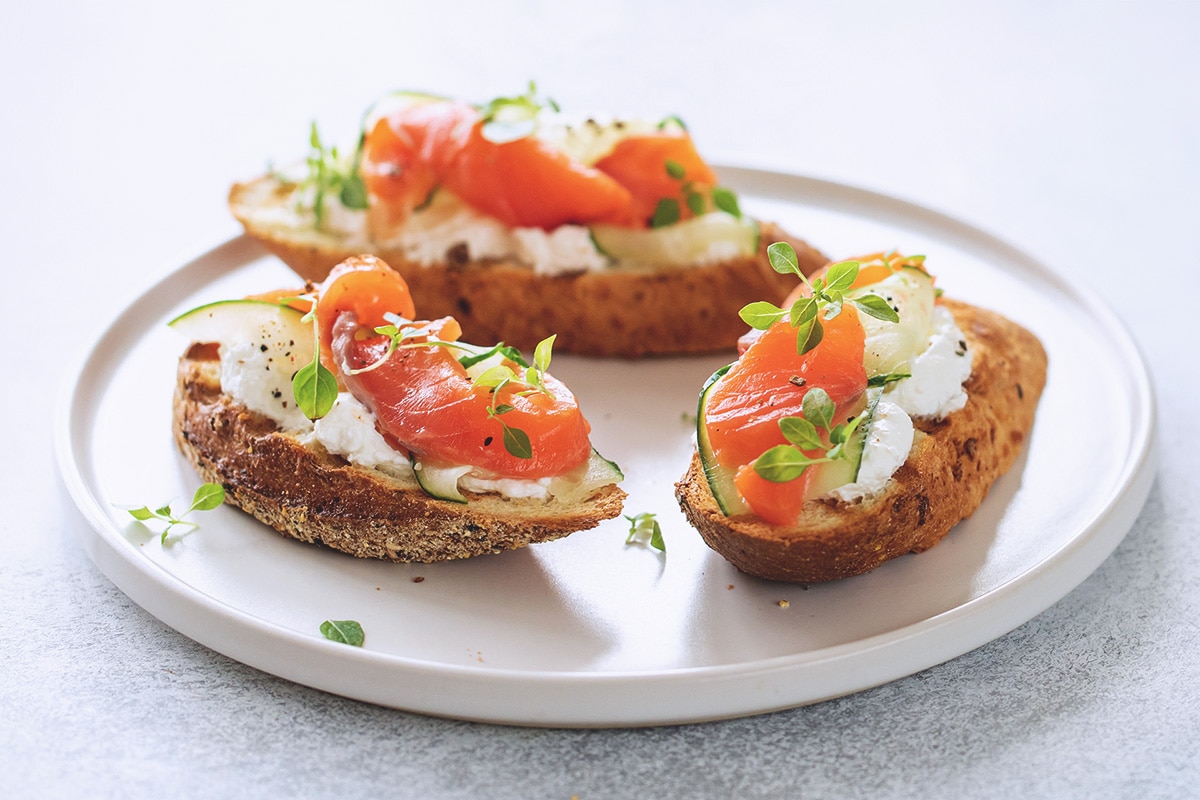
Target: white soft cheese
447 223
934 390
566 249
936 386
348 430
258 374
536 489
889 440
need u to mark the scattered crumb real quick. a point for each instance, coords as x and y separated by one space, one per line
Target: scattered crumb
419 579
782 603
730 586
377 588
475 654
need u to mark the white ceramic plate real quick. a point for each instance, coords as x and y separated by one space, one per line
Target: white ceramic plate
587 631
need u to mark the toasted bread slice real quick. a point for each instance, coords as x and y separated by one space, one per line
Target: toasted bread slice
617 313
311 495
946 477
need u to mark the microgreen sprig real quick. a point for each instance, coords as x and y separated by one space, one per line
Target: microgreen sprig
828 296
329 174
533 379
786 462
506 119
207 497
314 386
644 529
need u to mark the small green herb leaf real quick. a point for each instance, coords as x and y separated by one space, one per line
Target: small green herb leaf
875 306
516 442
726 200
541 353
141 514
315 389
207 497
809 335
783 258
666 212
761 315
782 463
644 529
345 631
818 407
801 432
840 276
803 311
675 169
695 203
884 380
495 377
354 192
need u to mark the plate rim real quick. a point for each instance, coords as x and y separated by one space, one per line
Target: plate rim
667 696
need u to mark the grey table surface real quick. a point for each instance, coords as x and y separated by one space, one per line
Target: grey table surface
1070 129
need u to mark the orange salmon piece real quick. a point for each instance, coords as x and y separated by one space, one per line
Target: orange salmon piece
767 383
639 163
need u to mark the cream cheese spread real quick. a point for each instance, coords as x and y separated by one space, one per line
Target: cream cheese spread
448 223
889 440
938 373
934 390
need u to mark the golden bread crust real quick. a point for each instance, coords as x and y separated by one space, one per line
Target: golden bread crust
944 480
314 496
618 313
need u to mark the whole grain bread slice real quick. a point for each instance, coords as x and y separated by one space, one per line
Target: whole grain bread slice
626 313
945 479
314 496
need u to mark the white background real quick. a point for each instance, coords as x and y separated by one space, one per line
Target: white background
1070 129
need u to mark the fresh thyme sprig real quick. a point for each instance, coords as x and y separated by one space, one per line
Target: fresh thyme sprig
207 497
533 379
644 529
329 175
786 462
828 296
506 119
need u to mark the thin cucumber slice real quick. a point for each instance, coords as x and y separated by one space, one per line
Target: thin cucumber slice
234 321
720 479
708 238
575 486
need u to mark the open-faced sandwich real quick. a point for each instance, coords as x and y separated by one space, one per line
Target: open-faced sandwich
334 416
862 421
522 221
